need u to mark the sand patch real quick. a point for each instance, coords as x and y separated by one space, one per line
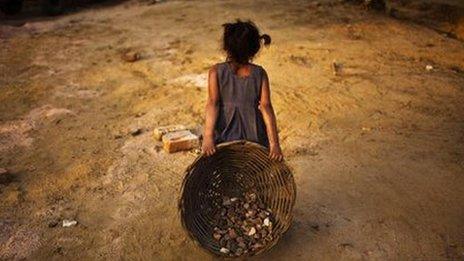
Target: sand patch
16 133
76 91
17 243
197 80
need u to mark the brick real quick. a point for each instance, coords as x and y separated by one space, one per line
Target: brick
180 140
160 131
3 171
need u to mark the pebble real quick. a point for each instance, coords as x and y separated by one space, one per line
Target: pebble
266 222
252 231
69 223
135 131
232 233
53 223
3 171
337 68
130 56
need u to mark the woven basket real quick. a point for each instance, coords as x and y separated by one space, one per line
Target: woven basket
236 167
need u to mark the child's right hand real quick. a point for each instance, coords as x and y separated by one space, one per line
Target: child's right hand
275 152
208 147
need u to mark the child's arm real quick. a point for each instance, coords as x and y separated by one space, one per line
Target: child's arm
208 146
270 120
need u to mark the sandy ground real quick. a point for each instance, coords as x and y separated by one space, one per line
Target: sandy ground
378 151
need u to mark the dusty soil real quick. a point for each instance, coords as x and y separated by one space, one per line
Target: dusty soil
378 150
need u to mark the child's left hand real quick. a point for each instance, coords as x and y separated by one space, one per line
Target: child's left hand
275 153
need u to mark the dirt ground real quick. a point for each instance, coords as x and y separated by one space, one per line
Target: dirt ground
377 151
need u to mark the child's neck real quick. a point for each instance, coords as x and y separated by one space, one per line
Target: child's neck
242 70
237 65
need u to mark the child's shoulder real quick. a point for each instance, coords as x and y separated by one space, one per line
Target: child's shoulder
260 67
217 67
214 68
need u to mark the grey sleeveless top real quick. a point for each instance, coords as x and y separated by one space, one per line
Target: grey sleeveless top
239 116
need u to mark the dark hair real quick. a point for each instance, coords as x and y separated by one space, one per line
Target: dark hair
242 41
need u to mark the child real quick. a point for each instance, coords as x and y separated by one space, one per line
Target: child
239 104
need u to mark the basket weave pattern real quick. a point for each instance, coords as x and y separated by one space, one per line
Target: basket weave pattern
236 167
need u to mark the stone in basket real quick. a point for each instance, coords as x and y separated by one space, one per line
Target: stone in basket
237 202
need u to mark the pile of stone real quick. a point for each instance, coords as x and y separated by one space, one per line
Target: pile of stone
244 226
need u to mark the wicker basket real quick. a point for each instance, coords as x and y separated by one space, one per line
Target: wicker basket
236 167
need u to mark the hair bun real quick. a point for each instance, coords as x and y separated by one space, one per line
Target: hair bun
266 38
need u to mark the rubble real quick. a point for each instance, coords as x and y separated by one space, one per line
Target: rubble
243 225
69 223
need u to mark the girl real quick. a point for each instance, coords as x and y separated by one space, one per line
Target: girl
239 104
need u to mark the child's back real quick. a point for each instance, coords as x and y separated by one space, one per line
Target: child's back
239 117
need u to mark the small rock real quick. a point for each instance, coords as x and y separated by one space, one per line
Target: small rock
337 68
252 231
58 250
264 233
266 222
251 213
257 246
69 223
3 171
345 245
139 114
226 201
195 151
378 5
232 233
224 250
262 215
53 223
252 197
429 67
135 131
315 227
152 2
158 148
130 56
232 246
222 242
456 69
217 236
241 245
